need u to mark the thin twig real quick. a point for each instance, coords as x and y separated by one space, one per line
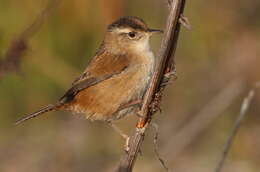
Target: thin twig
156 147
18 45
243 110
165 65
185 22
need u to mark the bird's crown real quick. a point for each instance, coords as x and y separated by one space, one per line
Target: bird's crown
129 22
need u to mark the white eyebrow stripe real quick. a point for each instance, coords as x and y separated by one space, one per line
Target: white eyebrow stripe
123 30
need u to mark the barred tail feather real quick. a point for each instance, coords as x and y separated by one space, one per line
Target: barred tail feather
37 113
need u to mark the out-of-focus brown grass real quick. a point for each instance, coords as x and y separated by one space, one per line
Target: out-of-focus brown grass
223 46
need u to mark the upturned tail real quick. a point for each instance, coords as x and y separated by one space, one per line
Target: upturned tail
38 113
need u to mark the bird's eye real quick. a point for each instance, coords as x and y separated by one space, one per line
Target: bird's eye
131 34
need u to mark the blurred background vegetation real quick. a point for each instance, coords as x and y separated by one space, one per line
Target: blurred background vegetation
217 63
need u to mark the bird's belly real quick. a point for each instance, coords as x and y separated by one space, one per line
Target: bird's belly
102 101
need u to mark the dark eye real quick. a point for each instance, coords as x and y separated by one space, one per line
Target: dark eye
131 34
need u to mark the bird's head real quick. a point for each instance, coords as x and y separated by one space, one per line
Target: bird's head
128 34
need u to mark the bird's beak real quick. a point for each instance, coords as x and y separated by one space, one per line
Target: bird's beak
152 31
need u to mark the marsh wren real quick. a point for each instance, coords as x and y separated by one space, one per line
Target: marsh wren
115 80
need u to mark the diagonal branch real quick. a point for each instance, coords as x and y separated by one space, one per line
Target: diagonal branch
18 46
243 110
165 65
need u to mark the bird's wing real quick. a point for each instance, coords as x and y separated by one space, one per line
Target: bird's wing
102 67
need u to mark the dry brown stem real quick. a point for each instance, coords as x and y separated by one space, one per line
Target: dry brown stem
18 45
165 65
243 110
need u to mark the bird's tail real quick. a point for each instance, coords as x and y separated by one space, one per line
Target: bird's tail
39 112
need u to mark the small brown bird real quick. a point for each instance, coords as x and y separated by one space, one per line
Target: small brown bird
115 80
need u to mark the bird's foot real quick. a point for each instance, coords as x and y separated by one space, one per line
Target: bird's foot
169 77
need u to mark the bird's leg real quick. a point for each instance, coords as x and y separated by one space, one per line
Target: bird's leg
125 136
133 103
169 77
130 104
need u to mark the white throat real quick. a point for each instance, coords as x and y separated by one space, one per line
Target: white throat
142 46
